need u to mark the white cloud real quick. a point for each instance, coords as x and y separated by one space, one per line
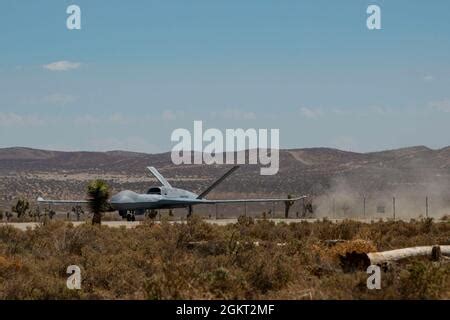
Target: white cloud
116 119
170 115
311 113
428 78
318 112
85 120
234 114
119 119
17 120
59 99
380 110
338 111
62 66
442 106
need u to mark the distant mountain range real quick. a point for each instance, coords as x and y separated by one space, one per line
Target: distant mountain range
31 172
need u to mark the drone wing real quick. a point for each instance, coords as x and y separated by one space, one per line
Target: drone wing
159 176
74 202
217 182
256 200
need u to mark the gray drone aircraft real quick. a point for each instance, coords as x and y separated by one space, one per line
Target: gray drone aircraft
130 203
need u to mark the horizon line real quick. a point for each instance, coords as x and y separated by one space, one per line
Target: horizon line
224 152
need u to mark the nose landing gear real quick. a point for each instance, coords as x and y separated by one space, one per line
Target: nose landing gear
190 211
129 215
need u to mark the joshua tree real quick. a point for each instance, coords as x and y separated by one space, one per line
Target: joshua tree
151 214
287 206
51 213
98 194
78 212
8 215
21 207
35 214
307 209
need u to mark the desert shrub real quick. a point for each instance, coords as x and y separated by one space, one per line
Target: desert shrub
346 230
268 270
424 280
427 225
195 229
301 231
224 283
197 260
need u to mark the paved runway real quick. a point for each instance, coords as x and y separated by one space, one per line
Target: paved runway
128 224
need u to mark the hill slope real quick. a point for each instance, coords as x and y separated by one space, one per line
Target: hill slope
30 172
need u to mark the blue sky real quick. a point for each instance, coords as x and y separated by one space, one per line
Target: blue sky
138 70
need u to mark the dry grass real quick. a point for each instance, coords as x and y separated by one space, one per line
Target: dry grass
203 261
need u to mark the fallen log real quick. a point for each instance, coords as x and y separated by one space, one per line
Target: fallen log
353 261
398 254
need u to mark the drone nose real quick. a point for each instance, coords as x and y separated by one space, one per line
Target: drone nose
119 198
